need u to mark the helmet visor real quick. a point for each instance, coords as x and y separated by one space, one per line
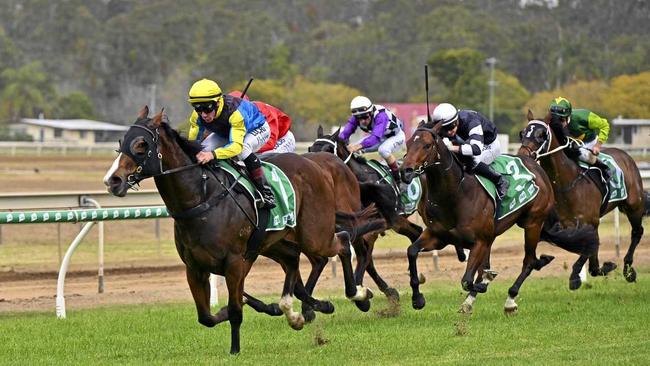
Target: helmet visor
362 116
206 107
449 126
360 110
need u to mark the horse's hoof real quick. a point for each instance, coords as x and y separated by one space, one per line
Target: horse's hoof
421 278
369 294
274 310
574 284
510 310
326 307
544 260
629 273
608 267
297 323
392 294
363 305
489 275
309 315
480 287
466 308
467 286
418 301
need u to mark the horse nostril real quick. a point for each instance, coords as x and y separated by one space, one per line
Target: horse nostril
114 181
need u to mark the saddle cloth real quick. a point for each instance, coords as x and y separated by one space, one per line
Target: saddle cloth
408 197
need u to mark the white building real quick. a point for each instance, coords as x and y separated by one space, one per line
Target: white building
634 132
80 131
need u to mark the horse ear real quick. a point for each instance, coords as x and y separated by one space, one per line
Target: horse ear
436 128
530 115
144 112
157 119
422 123
319 131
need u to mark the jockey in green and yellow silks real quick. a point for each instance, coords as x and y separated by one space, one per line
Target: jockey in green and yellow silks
236 127
586 126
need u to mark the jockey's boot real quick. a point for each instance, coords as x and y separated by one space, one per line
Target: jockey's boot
499 181
603 168
254 167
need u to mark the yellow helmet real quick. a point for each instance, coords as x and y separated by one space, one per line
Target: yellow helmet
204 90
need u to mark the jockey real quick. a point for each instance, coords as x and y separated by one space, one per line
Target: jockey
237 128
385 129
282 139
585 126
475 136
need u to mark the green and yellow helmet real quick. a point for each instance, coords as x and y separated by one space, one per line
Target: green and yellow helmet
204 90
560 107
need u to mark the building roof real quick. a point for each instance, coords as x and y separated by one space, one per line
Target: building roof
74 124
630 122
408 111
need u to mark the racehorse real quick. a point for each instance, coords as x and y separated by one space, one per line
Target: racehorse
384 196
457 210
578 199
212 222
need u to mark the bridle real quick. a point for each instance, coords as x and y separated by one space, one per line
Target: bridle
335 145
149 164
546 145
426 164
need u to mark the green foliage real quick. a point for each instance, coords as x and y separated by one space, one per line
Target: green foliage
26 93
74 105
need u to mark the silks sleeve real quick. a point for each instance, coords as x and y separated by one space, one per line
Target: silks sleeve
236 138
193 134
601 124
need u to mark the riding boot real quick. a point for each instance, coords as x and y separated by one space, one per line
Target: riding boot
495 177
603 168
254 167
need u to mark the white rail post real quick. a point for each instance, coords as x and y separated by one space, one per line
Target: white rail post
617 231
214 291
60 283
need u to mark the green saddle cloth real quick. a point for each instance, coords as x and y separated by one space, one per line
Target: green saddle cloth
617 188
284 213
409 197
522 184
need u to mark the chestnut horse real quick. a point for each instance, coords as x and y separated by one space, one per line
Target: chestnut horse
212 222
578 199
457 210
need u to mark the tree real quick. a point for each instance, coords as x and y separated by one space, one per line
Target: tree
74 105
27 92
629 96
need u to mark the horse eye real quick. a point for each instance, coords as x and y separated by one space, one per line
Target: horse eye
427 146
139 147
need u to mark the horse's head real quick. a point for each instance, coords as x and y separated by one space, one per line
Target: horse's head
324 143
139 156
423 149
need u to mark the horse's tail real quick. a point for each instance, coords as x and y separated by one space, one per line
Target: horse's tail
646 203
383 196
580 240
360 223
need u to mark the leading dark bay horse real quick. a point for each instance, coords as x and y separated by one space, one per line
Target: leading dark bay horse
578 198
457 210
212 222
383 195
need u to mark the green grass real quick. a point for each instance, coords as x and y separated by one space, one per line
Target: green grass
606 324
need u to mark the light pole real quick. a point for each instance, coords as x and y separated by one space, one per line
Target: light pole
491 84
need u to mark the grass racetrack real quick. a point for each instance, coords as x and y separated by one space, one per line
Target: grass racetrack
605 323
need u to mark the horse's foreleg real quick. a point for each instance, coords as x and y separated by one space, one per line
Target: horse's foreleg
359 294
317 266
404 227
594 265
530 262
637 232
200 287
426 242
574 278
295 319
236 271
477 258
363 257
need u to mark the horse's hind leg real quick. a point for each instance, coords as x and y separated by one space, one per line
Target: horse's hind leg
200 288
295 319
637 232
261 307
317 266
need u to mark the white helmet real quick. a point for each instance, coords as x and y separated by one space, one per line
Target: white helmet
445 113
360 105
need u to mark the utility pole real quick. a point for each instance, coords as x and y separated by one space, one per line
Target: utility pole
152 99
491 84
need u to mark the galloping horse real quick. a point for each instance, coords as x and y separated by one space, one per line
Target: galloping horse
578 199
382 195
212 222
457 210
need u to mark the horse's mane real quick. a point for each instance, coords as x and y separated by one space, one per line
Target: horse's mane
561 135
191 148
358 158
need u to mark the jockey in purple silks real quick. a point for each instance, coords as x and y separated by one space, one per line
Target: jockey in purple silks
385 130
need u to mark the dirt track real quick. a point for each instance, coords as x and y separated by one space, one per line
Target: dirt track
36 291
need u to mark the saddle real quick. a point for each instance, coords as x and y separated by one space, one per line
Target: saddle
595 174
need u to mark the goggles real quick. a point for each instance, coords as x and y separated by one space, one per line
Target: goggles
361 117
560 111
450 126
206 107
360 110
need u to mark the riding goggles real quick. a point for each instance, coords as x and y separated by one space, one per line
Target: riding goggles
363 116
206 107
360 110
560 111
450 126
